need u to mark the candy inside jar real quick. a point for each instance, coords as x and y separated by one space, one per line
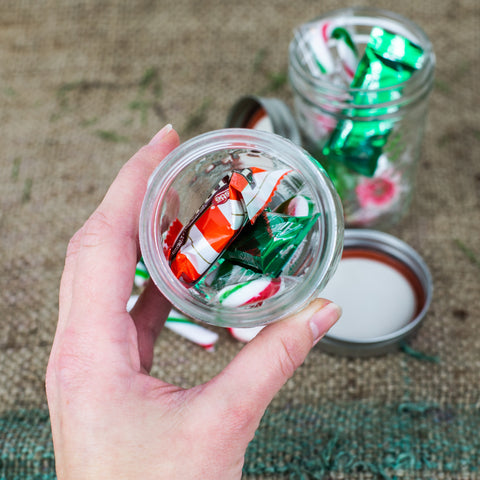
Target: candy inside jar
240 228
361 79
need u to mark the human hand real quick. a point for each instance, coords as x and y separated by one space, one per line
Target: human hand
110 418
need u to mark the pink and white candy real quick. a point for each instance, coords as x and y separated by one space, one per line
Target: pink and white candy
298 206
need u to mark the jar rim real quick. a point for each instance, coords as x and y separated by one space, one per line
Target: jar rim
327 253
418 85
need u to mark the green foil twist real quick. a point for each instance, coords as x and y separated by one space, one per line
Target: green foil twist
389 60
268 245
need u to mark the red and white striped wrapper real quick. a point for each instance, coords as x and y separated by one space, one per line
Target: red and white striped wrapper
243 195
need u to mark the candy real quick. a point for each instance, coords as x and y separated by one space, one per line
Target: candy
268 245
297 206
244 335
389 60
183 326
239 197
250 292
347 51
226 273
141 274
316 41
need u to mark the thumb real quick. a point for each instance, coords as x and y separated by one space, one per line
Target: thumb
251 380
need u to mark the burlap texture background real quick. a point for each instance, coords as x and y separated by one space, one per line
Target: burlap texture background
84 84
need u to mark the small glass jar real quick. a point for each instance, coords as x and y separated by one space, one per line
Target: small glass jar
375 178
186 178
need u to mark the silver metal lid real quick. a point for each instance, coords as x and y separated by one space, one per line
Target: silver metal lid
268 114
385 289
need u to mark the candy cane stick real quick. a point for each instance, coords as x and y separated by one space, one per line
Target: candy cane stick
320 58
315 42
347 51
141 274
244 335
183 326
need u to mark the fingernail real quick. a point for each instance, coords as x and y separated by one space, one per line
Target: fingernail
323 320
161 134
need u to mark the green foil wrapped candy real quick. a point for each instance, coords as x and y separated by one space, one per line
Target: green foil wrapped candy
268 244
359 139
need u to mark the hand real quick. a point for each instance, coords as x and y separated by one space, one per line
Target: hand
110 418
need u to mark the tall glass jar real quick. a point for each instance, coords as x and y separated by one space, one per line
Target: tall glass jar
366 133
187 177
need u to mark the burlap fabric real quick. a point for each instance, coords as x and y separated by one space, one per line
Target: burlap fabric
84 84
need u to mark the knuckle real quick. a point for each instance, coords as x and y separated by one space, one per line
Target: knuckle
74 244
96 228
68 368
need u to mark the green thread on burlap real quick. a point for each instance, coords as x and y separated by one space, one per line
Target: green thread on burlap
409 350
26 449
384 442
305 442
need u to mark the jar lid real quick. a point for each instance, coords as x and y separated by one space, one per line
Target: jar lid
266 114
385 289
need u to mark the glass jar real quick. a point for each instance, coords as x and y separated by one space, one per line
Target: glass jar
366 130
186 178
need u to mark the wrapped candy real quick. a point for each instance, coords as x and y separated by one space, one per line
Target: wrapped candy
389 60
225 273
239 197
268 245
249 292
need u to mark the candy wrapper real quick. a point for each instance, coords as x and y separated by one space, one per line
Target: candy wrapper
240 197
251 251
232 285
389 60
269 244
225 273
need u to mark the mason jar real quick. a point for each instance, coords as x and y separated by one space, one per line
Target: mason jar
177 192
362 119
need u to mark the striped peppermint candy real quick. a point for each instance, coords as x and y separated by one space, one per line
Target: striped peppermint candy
247 293
182 325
